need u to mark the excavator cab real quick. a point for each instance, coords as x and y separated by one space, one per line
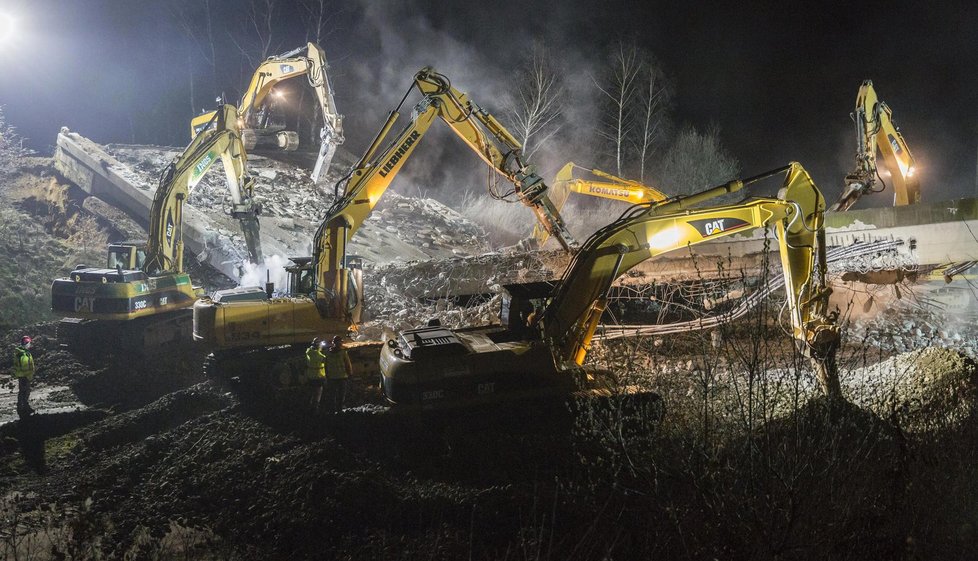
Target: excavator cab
126 255
302 278
302 282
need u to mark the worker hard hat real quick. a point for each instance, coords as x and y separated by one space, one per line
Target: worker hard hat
337 339
315 342
25 340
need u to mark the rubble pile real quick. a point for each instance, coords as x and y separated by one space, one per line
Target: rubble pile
400 229
906 326
458 291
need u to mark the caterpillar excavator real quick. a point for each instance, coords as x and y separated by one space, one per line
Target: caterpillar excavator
326 290
143 297
434 367
875 131
255 109
607 187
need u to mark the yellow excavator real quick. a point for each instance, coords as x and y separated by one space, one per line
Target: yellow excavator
608 186
433 367
256 106
325 291
875 130
143 297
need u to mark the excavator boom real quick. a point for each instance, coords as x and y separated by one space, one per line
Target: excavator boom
609 187
373 174
433 366
252 107
875 130
218 140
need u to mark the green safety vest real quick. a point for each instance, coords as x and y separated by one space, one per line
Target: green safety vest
23 363
336 365
315 363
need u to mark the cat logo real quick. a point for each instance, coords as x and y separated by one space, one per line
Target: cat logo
169 227
286 68
85 304
716 226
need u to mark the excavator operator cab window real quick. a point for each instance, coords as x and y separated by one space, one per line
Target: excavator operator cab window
127 257
353 289
301 281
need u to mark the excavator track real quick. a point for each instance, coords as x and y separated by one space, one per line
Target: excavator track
275 376
140 337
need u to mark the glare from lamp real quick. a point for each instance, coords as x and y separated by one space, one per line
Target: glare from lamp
278 94
910 171
665 239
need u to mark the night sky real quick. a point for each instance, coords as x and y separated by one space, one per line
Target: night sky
780 83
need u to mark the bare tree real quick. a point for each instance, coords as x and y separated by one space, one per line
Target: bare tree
620 89
695 161
318 24
198 27
317 27
259 19
535 113
651 114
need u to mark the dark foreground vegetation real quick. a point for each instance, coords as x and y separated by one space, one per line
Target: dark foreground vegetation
738 459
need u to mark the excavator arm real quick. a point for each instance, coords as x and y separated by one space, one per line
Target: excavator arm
875 130
269 74
219 139
372 175
610 187
571 318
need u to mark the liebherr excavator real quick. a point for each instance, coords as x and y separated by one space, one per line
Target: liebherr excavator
875 130
608 187
326 292
143 297
433 367
254 109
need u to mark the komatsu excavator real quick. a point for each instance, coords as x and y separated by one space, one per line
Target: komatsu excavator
255 107
326 291
144 297
875 130
433 367
608 187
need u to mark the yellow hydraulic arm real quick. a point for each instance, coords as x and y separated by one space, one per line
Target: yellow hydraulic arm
270 73
374 172
219 139
875 130
571 318
610 187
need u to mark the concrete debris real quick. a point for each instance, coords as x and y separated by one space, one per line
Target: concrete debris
400 229
929 389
